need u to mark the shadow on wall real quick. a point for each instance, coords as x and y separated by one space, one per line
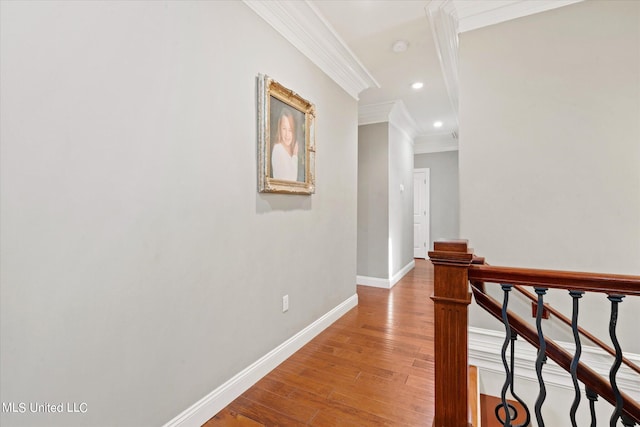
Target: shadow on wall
269 202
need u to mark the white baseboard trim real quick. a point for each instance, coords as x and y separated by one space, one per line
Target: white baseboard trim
386 283
403 271
201 411
375 282
484 352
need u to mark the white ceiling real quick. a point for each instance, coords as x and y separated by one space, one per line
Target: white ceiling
369 28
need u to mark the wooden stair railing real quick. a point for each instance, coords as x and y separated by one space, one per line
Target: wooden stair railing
454 267
556 353
588 335
451 297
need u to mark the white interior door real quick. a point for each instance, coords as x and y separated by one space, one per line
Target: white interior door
420 212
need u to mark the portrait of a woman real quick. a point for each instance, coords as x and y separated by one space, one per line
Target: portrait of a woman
287 158
284 157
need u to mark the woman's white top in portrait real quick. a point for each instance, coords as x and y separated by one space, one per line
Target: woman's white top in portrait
283 165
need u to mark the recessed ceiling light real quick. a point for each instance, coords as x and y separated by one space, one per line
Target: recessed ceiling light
437 124
400 46
417 85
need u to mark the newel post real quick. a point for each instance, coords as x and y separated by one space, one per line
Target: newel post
451 297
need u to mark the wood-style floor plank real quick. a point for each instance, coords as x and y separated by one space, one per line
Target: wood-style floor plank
374 366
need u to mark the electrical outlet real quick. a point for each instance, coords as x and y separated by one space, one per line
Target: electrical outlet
285 303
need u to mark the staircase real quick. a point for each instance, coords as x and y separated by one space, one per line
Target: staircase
455 267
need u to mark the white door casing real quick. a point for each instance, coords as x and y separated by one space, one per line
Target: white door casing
420 212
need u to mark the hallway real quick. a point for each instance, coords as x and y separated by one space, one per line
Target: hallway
374 366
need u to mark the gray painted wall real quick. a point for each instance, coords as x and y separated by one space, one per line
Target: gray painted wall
400 200
373 200
443 194
385 213
550 147
140 268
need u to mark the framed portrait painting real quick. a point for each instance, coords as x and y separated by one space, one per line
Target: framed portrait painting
286 140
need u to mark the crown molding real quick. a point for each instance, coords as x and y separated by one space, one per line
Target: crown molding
374 113
448 18
435 146
300 23
478 14
443 18
394 112
402 120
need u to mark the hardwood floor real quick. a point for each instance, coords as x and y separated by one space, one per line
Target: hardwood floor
374 366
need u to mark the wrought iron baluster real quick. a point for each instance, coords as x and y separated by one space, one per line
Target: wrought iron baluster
508 375
527 421
593 398
627 422
615 300
576 295
542 358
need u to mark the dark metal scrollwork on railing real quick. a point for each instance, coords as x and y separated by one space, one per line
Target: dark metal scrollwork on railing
542 357
615 300
576 295
508 374
593 398
455 267
511 411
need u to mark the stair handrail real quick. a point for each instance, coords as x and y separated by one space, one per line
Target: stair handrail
454 268
564 319
557 279
555 352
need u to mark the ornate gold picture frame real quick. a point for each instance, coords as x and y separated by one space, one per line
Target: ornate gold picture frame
286 140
